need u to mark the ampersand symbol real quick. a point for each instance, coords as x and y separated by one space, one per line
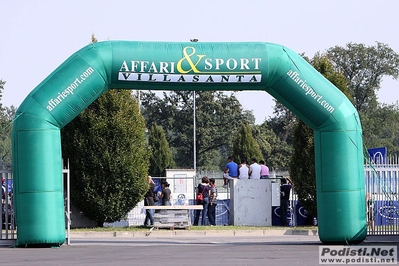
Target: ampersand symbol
187 57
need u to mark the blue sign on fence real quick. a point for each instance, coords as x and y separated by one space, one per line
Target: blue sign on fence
385 212
301 215
378 155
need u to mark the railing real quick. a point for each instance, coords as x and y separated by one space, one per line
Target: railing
381 180
7 218
382 192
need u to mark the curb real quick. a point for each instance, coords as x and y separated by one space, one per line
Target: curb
193 233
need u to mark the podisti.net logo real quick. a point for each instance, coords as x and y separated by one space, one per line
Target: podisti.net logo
358 254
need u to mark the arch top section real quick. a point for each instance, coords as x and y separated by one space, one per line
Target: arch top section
190 65
186 66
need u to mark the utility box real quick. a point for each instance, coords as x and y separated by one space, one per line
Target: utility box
181 185
251 202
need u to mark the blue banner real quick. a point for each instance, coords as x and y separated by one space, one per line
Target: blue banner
378 155
385 212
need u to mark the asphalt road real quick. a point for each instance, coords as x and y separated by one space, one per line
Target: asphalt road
284 250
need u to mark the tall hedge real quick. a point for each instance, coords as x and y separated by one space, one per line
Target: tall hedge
108 157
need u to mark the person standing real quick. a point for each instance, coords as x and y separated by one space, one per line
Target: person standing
243 170
213 193
149 201
158 193
3 189
285 190
264 170
203 188
165 194
254 169
370 211
230 171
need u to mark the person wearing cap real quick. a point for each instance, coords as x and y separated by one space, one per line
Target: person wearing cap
165 194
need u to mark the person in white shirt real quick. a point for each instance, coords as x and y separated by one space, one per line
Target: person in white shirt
254 169
243 170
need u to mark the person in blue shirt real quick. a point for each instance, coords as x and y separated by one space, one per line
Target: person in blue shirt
230 171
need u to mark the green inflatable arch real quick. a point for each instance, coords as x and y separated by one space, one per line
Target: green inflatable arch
275 69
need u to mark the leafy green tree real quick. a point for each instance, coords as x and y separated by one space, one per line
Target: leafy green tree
217 119
245 146
282 123
279 131
161 155
323 64
7 115
380 128
364 67
108 157
277 153
2 83
302 168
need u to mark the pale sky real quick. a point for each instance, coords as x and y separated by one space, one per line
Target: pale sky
38 35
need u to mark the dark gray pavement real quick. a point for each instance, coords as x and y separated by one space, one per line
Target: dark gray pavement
164 247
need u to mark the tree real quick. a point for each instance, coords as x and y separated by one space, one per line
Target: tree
245 146
108 157
2 83
302 168
380 128
323 64
217 119
364 67
161 155
276 152
282 123
7 115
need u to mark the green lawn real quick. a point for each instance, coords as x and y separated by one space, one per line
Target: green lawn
198 228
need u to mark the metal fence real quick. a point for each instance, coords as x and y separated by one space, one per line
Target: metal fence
183 193
382 188
7 219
